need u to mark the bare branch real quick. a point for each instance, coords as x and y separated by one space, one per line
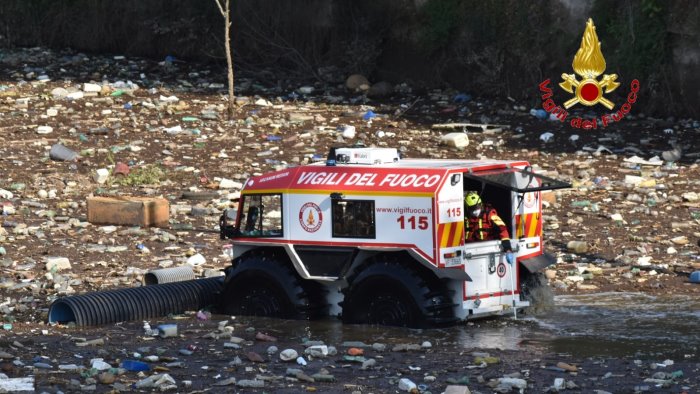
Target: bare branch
221 8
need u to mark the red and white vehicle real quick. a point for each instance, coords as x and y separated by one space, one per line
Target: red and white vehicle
378 239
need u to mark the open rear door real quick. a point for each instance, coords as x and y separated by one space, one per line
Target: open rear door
515 193
517 180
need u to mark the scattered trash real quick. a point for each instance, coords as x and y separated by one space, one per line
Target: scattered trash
546 137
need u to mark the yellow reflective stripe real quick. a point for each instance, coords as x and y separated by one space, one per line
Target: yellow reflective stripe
534 221
481 233
458 233
497 220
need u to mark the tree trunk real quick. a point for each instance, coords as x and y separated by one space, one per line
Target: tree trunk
229 62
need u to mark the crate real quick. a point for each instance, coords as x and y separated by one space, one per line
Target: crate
129 211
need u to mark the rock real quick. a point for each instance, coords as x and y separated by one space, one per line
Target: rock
682 240
255 383
57 264
452 389
457 140
567 367
379 347
106 378
272 350
229 184
357 83
264 337
550 274
59 93
577 246
426 345
381 89
288 355
225 382
369 363
255 357
690 196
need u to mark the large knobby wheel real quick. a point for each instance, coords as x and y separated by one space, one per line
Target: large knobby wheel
265 285
387 292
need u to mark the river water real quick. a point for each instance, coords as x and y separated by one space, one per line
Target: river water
605 324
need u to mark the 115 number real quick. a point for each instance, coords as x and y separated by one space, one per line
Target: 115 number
413 222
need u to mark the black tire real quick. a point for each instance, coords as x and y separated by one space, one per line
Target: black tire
386 292
535 288
265 285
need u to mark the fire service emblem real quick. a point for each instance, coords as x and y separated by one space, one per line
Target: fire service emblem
588 64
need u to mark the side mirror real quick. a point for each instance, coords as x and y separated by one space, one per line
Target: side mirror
226 222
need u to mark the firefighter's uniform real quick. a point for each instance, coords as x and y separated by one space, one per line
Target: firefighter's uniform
488 226
482 222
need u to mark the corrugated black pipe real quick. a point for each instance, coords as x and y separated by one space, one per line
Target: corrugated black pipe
136 303
169 275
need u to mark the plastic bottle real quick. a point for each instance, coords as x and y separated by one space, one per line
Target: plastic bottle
135 366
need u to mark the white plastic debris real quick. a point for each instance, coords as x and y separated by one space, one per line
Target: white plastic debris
168 99
196 260
347 131
101 175
458 140
44 130
513 383
406 385
546 137
92 87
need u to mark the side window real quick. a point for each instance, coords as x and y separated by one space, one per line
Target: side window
262 215
353 218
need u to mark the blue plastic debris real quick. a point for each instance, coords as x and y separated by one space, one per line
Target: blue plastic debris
539 114
462 98
695 277
135 366
369 115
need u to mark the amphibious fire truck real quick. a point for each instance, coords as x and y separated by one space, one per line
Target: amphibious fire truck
378 239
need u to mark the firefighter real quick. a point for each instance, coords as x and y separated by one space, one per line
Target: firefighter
483 223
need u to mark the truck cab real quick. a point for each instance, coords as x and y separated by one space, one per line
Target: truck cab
376 239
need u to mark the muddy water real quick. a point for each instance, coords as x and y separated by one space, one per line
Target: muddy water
625 324
606 325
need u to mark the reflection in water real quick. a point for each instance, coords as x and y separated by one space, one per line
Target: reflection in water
604 324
